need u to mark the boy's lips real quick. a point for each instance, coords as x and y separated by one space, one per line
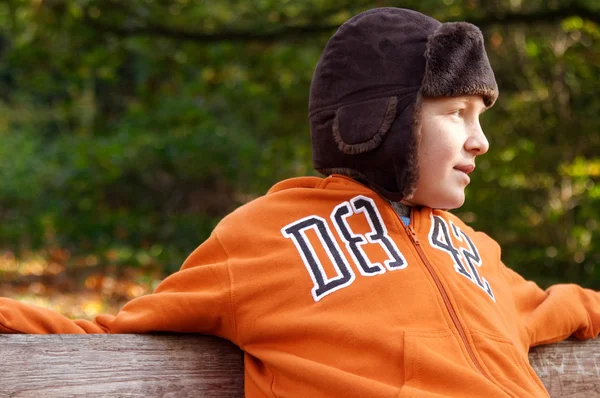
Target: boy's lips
465 168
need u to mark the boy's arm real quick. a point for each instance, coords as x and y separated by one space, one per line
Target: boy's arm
560 311
196 299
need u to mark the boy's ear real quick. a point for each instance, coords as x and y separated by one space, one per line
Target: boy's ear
360 127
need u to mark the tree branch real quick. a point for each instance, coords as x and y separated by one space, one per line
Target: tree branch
283 33
541 17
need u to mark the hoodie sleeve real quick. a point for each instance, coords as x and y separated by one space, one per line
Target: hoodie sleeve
552 315
196 299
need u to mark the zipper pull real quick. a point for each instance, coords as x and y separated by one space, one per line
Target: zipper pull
413 235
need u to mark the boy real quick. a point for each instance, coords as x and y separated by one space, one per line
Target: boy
360 284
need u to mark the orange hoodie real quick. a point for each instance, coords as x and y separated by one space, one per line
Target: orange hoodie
330 295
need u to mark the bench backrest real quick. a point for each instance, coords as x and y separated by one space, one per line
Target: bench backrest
196 366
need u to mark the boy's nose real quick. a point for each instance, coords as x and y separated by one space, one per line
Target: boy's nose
477 141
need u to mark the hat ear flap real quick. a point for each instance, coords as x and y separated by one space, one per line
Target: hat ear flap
457 64
361 127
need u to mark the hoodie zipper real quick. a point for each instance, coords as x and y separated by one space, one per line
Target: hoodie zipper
417 244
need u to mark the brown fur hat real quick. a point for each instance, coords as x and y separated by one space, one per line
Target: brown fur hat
367 88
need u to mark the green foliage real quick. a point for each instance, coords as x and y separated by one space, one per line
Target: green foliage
132 127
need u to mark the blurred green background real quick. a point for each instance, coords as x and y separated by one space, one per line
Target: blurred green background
129 128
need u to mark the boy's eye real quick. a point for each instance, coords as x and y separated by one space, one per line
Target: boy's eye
457 112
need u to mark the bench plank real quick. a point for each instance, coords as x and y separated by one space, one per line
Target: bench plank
119 365
569 368
203 366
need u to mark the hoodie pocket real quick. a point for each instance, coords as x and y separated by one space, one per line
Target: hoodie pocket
507 365
435 365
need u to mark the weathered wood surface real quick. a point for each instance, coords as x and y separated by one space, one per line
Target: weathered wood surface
570 368
203 366
68 366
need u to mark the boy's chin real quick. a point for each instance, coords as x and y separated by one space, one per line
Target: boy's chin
438 200
450 202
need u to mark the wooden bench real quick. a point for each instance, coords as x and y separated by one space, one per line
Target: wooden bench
182 366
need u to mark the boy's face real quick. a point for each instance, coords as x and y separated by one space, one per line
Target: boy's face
451 138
